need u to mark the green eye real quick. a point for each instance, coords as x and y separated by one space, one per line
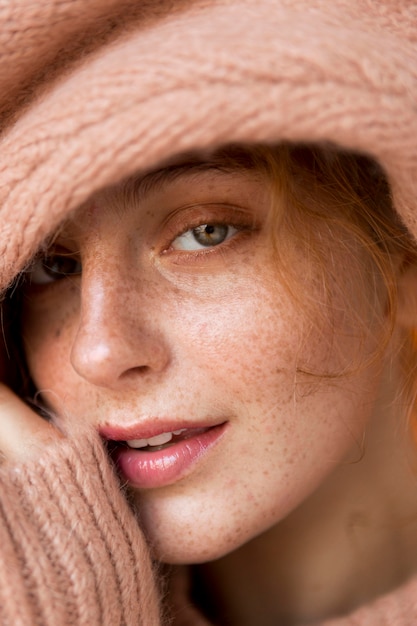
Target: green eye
204 236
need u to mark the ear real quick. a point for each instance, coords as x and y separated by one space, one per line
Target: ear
407 296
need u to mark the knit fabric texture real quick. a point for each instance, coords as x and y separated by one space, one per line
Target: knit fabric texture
71 552
92 91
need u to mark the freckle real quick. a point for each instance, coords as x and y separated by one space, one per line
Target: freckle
57 333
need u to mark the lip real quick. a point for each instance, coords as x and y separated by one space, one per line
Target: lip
150 427
144 469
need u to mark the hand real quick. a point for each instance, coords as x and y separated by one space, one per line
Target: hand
23 434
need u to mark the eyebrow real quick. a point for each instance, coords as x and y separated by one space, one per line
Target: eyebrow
141 186
228 159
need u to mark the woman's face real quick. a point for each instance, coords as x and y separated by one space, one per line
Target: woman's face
179 337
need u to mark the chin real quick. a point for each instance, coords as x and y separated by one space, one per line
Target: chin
191 528
188 553
192 543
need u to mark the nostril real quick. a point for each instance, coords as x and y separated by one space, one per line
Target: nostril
138 370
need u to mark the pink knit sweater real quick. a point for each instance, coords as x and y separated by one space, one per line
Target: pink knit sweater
94 90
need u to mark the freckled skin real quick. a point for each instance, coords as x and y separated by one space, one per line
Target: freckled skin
144 332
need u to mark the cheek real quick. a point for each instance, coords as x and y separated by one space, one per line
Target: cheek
261 359
48 330
250 340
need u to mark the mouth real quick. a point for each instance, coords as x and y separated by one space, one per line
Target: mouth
160 458
164 440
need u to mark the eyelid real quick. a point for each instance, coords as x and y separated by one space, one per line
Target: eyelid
216 213
55 247
48 252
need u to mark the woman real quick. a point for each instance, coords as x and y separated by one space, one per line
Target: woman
240 438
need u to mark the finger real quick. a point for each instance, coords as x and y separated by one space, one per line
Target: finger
23 434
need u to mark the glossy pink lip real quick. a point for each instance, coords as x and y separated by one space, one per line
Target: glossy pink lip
149 427
146 469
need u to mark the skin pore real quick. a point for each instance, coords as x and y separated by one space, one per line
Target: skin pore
160 302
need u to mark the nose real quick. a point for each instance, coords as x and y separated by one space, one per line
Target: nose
116 342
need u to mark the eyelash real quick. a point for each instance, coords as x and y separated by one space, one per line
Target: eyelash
238 220
39 264
187 255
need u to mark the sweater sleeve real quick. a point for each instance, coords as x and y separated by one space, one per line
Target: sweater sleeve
71 551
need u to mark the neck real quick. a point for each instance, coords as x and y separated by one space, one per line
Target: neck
352 540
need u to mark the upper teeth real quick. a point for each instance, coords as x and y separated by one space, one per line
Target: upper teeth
158 440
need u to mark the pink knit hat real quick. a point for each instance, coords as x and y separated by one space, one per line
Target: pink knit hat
94 90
